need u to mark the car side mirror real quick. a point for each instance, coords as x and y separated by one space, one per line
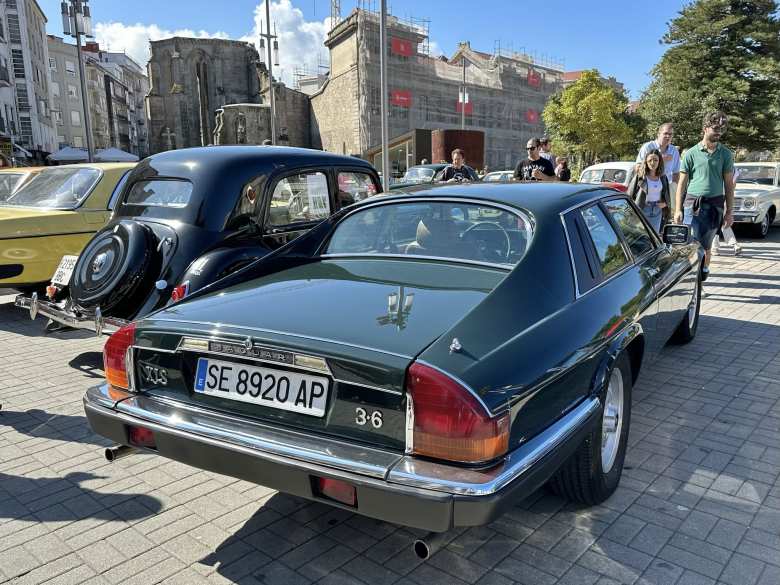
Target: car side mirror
676 234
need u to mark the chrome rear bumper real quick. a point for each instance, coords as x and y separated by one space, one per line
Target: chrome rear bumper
390 486
97 322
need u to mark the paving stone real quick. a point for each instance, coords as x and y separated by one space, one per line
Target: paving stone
742 570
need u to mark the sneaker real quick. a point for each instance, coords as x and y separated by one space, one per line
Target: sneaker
705 272
737 249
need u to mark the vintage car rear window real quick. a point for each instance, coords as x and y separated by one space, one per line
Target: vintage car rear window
167 193
451 230
60 188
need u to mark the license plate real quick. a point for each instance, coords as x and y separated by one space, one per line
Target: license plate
64 270
269 387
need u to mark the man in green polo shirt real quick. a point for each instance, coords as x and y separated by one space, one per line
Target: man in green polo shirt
706 185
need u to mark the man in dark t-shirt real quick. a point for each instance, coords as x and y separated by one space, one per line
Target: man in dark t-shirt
458 171
534 168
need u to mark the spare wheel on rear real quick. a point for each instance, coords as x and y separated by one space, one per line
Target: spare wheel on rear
115 267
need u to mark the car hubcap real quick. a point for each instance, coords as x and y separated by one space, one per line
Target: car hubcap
612 421
765 225
692 308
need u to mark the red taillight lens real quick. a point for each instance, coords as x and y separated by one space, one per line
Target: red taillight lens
338 490
449 422
115 356
180 291
141 437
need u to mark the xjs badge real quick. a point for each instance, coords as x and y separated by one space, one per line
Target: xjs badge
455 345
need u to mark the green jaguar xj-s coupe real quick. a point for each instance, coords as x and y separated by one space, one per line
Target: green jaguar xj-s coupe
426 358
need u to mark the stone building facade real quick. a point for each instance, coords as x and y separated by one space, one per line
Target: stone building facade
506 93
190 79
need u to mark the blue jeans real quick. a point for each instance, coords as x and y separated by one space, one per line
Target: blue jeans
654 214
706 224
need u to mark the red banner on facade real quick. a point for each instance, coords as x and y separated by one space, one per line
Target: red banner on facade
469 107
534 78
531 116
401 97
401 47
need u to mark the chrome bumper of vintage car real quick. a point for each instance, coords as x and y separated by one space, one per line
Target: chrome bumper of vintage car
748 217
97 322
390 486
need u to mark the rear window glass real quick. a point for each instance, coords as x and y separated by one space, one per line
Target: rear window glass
448 230
60 188
591 176
160 193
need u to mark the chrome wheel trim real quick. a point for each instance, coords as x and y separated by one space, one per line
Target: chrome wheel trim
693 307
765 225
612 420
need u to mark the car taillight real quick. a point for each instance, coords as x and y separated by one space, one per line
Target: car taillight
115 356
449 422
180 291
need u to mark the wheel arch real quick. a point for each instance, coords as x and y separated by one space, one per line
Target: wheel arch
630 340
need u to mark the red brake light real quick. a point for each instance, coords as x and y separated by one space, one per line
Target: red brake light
115 356
141 437
338 490
449 422
180 291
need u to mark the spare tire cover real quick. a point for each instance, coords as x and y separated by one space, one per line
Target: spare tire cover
113 265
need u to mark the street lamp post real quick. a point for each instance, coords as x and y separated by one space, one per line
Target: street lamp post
383 91
76 21
272 60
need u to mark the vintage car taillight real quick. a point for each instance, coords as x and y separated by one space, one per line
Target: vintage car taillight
180 291
115 356
449 422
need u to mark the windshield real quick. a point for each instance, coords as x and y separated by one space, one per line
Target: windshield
759 174
60 188
9 182
591 176
418 175
452 230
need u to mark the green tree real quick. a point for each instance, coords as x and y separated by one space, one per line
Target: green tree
723 54
588 119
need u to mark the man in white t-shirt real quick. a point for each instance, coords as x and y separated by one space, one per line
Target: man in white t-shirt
669 152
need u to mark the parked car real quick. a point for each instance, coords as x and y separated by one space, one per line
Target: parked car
498 176
188 217
420 174
757 196
427 358
11 178
53 215
615 174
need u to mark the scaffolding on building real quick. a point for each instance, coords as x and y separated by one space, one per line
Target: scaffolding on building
507 51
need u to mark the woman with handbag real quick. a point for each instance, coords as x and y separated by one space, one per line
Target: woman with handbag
649 188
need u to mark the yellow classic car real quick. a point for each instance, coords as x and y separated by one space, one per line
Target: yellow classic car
54 214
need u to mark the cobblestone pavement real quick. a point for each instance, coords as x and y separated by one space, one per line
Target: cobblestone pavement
699 502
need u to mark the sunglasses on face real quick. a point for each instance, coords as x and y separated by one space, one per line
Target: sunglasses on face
530 148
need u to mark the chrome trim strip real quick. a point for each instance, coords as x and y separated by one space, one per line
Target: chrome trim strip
571 258
158 349
506 267
275 332
55 313
440 477
100 396
466 386
369 386
298 448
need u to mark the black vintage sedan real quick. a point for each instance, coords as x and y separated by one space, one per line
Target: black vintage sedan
186 218
426 358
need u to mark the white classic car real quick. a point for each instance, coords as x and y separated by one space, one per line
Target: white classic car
757 195
616 174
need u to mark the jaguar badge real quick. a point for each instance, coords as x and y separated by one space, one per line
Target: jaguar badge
248 343
99 262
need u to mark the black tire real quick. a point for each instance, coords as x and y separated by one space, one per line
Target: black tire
583 478
760 230
687 328
116 266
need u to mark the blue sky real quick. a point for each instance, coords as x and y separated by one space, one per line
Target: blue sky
618 37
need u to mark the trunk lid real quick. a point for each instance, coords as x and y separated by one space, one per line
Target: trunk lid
367 319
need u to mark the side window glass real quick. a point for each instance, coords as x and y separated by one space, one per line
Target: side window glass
608 247
300 198
354 187
634 231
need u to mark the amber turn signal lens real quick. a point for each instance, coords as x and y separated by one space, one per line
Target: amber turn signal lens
115 356
450 423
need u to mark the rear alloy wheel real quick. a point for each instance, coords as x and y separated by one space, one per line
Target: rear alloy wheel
114 266
593 473
686 331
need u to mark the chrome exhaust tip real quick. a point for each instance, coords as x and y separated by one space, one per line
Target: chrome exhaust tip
430 544
117 452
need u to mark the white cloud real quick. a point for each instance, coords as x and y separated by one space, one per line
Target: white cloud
300 41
